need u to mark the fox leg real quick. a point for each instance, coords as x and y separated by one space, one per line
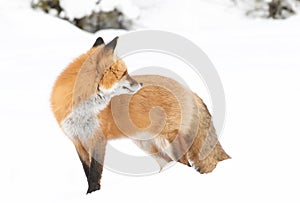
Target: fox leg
83 156
98 144
149 147
184 160
180 145
162 160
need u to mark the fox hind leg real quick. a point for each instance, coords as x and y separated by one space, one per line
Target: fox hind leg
148 146
184 160
162 160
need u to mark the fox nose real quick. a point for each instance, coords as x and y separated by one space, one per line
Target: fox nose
141 84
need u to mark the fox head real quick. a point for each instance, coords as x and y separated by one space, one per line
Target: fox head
103 73
115 79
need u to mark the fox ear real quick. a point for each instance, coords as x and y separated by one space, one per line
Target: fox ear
111 45
99 41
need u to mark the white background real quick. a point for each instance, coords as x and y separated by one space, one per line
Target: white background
257 60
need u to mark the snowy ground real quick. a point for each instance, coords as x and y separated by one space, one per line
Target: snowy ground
259 66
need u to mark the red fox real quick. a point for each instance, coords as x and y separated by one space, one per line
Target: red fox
94 90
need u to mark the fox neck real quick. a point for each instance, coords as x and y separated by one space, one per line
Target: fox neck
102 100
82 122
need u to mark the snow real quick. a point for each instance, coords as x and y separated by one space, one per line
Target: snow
258 63
79 8
130 10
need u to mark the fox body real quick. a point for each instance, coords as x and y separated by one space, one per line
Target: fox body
108 104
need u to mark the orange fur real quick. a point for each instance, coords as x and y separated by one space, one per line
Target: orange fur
139 107
62 93
113 74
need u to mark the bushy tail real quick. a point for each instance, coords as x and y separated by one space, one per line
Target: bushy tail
206 151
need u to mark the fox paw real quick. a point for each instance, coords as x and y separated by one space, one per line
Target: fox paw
93 188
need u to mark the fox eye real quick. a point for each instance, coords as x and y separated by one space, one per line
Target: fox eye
126 88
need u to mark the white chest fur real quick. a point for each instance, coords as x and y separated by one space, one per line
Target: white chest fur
82 122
